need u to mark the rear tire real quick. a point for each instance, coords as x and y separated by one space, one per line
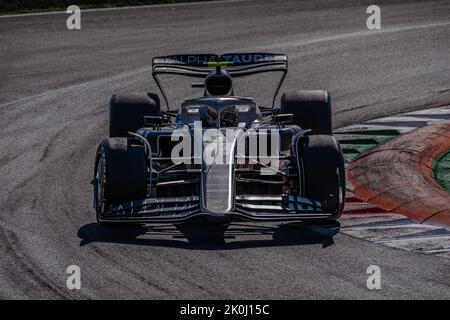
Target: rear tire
311 110
120 173
323 171
127 112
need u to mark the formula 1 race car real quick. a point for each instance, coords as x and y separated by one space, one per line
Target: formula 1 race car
219 157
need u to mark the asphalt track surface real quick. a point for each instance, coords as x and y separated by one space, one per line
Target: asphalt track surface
54 90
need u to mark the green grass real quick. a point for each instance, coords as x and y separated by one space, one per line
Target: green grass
442 171
355 143
32 6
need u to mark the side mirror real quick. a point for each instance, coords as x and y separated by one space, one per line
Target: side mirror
284 118
153 121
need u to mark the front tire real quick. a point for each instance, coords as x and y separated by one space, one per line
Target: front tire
120 174
323 167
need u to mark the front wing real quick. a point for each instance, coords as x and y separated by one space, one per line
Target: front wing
249 208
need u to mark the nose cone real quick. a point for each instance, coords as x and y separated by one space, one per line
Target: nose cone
218 176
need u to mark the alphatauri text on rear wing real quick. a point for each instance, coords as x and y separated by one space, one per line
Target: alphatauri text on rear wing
236 64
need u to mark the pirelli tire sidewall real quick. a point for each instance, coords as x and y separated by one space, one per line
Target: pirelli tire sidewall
323 171
124 172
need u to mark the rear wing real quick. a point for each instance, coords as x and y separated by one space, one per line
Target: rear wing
236 64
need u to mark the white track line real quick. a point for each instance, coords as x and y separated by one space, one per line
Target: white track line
403 122
161 5
356 34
